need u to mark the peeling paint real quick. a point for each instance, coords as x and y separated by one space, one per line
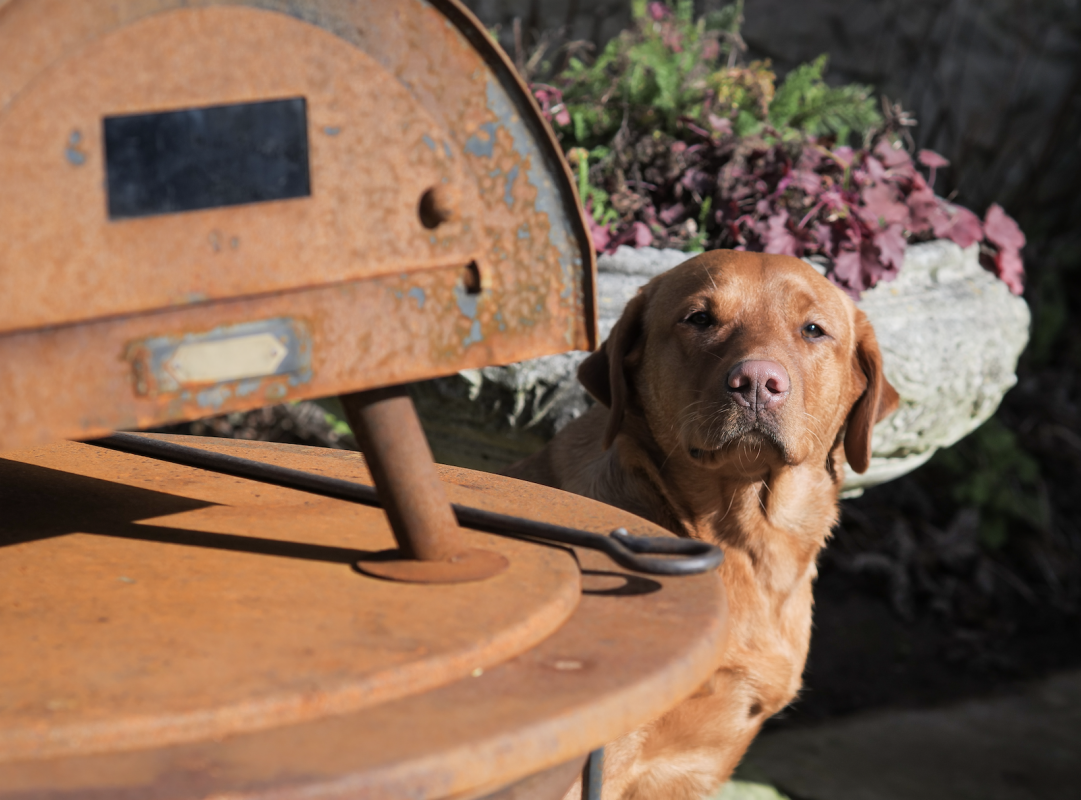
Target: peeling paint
467 303
523 231
428 140
417 294
213 398
331 130
75 156
548 201
477 146
508 191
244 388
475 334
300 377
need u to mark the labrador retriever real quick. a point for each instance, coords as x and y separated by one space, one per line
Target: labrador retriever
731 392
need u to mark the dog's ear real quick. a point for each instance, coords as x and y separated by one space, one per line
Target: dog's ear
604 373
877 402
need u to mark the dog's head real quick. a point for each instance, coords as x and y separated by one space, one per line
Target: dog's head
743 361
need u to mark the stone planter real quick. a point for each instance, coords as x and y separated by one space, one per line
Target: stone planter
950 333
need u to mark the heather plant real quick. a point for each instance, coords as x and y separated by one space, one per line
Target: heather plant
677 143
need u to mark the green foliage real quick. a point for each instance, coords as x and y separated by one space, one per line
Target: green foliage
805 103
991 473
670 70
638 74
595 199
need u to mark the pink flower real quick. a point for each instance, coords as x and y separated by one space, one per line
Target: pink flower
891 249
931 159
600 234
957 224
1001 229
658 11
778 239
1003 232
892 156
721 125
1011 269
881 206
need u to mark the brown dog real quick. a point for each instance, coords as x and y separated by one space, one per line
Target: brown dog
730 390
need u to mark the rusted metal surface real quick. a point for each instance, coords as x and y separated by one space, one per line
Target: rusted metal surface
401 107
160 603
398 457
146 665
367 179
469 564
430 546
549 784
419 333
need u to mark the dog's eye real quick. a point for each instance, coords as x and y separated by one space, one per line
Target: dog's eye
700 319
812 331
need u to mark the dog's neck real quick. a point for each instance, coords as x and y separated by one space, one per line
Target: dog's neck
779 519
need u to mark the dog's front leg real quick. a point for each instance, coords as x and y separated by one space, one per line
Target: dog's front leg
688 752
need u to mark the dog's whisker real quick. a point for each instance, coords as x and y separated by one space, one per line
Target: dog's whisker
731 500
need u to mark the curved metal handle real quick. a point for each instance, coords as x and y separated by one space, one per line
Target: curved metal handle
696 555
653 555
640 553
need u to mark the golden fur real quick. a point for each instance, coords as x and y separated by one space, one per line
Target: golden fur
668 442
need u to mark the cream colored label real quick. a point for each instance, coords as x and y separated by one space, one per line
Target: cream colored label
230 359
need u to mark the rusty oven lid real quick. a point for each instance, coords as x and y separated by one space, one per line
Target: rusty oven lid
215 206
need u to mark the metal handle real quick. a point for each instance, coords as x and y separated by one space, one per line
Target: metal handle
639 553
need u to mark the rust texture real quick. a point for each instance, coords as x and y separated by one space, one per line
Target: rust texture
438 198
187 634
190 605
430 545
397 454
550 784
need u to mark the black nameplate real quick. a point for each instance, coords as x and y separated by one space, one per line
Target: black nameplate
206 157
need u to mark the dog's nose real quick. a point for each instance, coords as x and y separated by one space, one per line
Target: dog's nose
759 384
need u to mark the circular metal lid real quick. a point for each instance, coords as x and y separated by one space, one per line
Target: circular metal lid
154 603
176 633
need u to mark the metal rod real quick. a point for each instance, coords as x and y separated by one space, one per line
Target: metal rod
593 775
396 449
686 556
